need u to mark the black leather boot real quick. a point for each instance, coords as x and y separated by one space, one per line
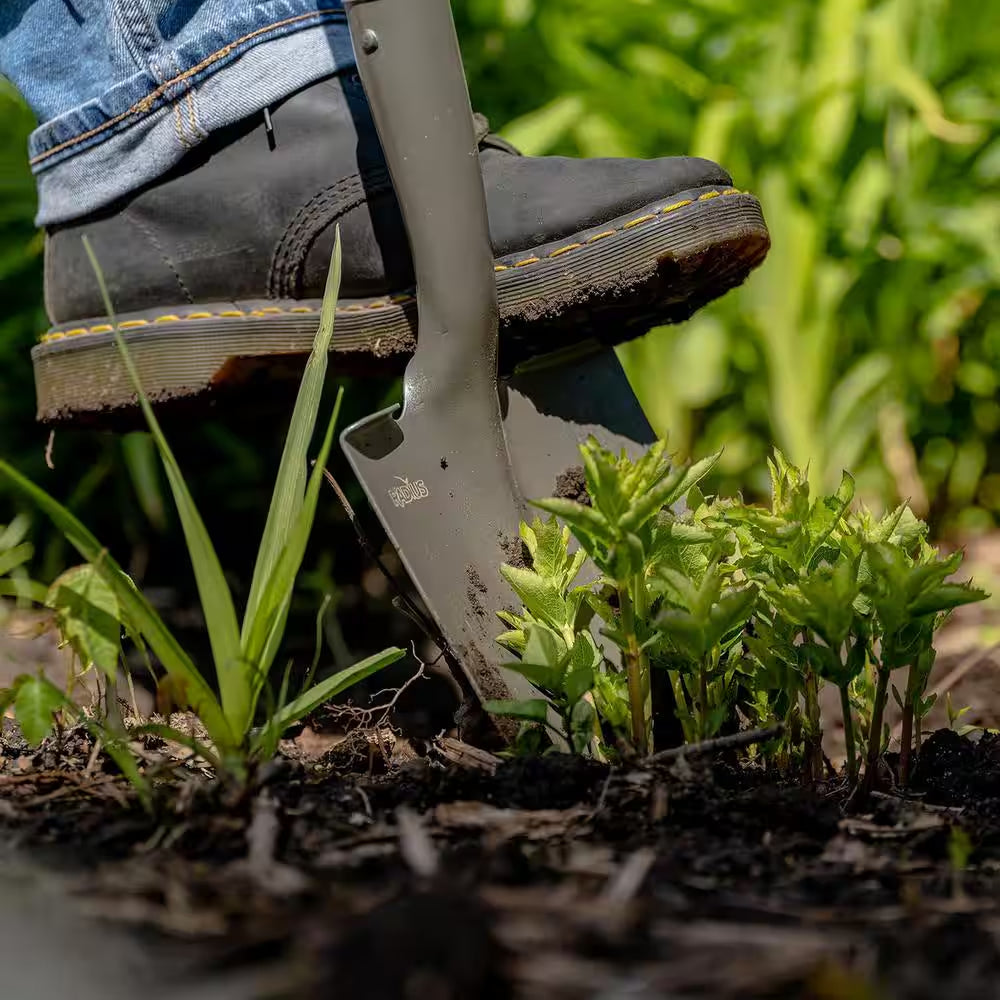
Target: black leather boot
217 270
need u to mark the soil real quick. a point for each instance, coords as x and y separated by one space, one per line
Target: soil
475 591
393 863
571 484
515 552
393 871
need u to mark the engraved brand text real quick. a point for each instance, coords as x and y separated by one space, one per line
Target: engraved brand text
408 491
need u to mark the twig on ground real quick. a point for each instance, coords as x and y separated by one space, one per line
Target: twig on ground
734 742
415 844
627 881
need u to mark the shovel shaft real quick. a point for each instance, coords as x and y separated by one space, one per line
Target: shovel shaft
411 67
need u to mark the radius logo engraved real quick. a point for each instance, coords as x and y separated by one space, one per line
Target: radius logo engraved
408 491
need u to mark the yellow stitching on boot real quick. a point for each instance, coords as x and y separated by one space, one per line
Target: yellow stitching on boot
567 249
676 205
394 299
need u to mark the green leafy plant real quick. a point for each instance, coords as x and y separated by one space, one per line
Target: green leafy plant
97 601
618 532
749 609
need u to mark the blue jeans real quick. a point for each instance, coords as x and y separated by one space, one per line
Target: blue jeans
122 89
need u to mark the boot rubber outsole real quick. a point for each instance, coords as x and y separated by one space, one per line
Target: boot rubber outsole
610 284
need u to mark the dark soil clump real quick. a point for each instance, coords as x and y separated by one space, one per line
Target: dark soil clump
515 552
571 484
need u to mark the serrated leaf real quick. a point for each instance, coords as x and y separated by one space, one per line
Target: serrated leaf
945 597
89 617
539 595
586 520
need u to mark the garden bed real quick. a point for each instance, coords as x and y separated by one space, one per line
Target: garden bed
398 873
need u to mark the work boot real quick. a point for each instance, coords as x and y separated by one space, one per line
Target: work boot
217 270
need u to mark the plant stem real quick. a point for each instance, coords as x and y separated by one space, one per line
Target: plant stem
813 745
875 732
703 700
906 734
682 709
633 673
852 752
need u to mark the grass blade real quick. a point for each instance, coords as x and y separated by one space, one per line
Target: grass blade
268 623
290 484
332 686
136 608
213 591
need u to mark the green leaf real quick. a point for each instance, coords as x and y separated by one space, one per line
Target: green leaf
549 679
538 594
667 492
585 519
544 646
89 617
267 627
34 704
137 610
581 725
290 484
533 709
329 688
16 556
945 597
213 590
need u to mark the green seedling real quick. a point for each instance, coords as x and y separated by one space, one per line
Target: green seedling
550 639
243 653
617 532
749 609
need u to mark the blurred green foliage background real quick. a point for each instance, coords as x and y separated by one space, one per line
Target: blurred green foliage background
869 340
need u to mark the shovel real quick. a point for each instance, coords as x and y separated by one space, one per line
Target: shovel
450 472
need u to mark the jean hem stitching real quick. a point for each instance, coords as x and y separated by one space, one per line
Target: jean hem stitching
152 101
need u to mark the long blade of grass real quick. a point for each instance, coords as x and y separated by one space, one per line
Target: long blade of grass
290 484
135 606
268 624
213 591
332 686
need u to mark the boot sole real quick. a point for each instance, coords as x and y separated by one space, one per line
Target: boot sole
608 284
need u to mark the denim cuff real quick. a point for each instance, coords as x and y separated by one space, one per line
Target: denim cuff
96 153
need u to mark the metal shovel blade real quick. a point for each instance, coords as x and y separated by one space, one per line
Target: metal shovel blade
452 506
